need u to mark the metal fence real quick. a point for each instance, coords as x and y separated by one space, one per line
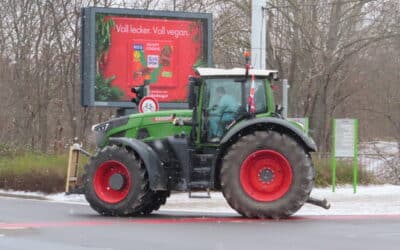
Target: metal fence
385 167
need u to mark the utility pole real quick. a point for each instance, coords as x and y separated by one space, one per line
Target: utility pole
258 34
285 90
259 17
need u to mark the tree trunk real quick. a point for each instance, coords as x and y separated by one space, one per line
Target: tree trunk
320 122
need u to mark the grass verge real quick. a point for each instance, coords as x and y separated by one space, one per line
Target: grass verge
30 171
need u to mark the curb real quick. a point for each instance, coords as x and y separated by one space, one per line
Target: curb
23 196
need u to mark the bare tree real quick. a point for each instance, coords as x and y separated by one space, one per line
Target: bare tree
341 57
318 42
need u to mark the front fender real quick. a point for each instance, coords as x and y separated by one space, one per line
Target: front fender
273 124
155 171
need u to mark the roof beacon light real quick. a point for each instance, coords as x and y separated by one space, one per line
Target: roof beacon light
247 58
247 55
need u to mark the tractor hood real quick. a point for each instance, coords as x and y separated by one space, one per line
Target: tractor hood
144 126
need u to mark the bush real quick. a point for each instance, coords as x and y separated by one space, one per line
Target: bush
6 150
344 172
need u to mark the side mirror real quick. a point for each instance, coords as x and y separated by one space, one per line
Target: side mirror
194 83
140 92
275 76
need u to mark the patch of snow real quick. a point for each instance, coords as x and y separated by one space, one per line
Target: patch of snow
376 156
385 147
32 195
369 200
71 198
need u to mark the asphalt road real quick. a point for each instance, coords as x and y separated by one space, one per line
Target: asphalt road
35 224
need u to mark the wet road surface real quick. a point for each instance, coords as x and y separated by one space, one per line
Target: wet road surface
40 224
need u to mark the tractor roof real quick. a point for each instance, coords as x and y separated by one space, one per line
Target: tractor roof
236 72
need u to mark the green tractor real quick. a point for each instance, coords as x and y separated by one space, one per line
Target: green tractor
224 142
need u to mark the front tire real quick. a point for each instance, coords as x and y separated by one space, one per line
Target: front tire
266 175
117 183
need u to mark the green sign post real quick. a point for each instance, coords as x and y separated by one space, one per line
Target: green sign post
345 144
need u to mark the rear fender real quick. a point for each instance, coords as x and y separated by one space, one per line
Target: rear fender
155 171
271 123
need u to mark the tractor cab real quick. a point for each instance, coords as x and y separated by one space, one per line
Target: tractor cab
220 98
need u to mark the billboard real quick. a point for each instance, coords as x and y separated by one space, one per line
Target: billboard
122 48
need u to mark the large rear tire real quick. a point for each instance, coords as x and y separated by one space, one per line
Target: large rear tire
266 175
117 183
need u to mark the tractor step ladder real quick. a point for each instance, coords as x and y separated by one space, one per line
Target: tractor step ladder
201 175
198 195
71 185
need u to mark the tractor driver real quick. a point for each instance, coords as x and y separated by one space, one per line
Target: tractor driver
221 114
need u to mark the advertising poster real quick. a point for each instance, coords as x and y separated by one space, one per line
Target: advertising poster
130 50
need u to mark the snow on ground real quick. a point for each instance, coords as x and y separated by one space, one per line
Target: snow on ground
369 200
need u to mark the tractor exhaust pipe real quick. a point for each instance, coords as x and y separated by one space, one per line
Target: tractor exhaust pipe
318 202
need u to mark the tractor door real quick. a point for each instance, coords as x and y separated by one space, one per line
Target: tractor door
224 103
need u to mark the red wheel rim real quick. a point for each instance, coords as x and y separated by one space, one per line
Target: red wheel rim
102 177
266 175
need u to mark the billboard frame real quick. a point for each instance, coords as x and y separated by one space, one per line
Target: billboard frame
88 53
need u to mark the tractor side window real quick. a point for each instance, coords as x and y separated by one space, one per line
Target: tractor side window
259 96
218 88
223 99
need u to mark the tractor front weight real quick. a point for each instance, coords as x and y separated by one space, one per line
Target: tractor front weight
72 186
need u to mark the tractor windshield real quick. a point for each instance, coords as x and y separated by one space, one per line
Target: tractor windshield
225 101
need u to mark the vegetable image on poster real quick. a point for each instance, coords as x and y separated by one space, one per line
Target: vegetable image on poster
104 91
161 51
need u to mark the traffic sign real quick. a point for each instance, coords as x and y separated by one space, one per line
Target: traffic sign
345 144
148 104
344 137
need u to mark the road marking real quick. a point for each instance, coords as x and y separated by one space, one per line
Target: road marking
185 220
348 217
388 234
10 226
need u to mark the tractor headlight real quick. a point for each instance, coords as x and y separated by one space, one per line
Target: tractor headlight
101 127
100 132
